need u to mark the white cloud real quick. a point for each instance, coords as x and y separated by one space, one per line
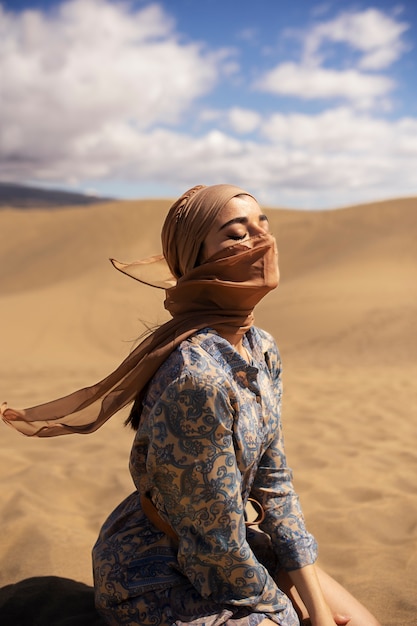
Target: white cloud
303 160
96 91
243 121
86 67
334 131
314 161
377 38
340 153
306 160
371 32
311 83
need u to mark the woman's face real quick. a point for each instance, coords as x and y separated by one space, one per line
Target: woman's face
238 220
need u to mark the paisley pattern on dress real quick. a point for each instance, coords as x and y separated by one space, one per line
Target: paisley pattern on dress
210 437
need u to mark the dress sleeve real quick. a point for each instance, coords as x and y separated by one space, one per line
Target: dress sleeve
197 489
294 546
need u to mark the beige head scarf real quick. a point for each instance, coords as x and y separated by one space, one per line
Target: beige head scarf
221 294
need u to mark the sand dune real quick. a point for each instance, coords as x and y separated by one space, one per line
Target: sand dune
344 317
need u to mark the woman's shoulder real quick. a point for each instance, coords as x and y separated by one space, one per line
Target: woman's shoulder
264 339
193 360
188 372
264 343
263 336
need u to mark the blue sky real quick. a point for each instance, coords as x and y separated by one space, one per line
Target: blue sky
305 104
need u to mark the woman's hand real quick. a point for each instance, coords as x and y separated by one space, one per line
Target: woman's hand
340 620
309 589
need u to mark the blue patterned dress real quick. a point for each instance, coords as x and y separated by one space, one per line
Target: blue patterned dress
210 436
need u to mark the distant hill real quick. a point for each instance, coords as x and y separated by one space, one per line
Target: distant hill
24 197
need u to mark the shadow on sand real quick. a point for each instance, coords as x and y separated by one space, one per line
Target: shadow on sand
48 601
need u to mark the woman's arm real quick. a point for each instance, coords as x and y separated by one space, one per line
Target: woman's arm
294 546
307 584
197 489
312 591
345 608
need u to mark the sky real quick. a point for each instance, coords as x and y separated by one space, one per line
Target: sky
304 104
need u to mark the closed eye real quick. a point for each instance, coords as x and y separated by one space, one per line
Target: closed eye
242 220
237 237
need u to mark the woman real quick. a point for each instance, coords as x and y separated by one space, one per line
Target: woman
207 387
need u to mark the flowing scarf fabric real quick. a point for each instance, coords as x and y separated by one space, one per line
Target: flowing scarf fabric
221 294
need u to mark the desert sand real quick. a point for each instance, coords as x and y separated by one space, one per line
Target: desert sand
344 317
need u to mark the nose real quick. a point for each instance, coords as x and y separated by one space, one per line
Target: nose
257 228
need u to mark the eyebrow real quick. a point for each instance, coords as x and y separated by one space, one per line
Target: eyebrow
241 220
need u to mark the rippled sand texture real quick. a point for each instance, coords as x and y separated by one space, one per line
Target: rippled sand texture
344 317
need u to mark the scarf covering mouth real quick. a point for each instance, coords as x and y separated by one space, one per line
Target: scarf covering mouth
220 294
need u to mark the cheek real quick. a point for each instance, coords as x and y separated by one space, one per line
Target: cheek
207 249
